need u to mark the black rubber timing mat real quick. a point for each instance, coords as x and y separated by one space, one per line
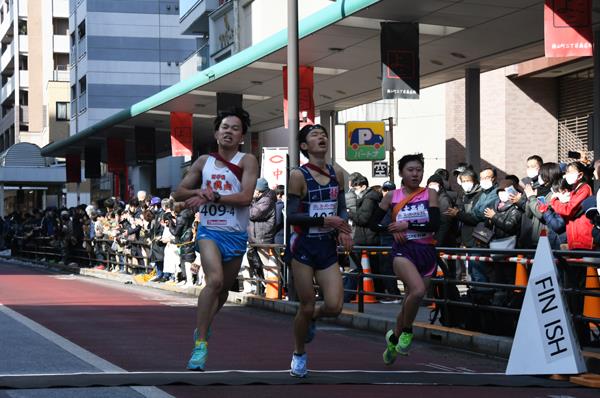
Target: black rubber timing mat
241 377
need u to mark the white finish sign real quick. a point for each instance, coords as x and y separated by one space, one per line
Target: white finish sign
544 342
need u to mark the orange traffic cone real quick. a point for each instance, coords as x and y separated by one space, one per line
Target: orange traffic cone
521 277
368 285
271 272
591 304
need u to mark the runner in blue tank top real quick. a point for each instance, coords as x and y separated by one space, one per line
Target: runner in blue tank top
221 185
317 209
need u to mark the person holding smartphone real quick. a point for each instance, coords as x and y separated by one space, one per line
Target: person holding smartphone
505 220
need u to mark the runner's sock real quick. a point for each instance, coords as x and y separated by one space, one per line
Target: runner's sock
407 330
394 339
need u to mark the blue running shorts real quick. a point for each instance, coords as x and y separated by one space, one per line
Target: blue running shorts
230 244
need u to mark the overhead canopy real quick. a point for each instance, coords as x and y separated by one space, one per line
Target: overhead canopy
22 163
342 43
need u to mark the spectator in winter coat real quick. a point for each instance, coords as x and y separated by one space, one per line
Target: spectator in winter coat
463 212
504 219
279 219
367 203
532 222
579 227
261 226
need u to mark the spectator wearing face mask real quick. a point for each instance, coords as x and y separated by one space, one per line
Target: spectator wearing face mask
534 164
446 234
504 219
463 211
532 222
579 227
557 227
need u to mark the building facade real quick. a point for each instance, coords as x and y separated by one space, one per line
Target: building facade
121 53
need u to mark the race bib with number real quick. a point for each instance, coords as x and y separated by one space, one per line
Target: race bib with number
322 209
217 215
413 213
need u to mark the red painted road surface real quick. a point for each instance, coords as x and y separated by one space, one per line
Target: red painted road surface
142 329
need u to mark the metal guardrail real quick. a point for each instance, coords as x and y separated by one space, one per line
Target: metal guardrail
42 247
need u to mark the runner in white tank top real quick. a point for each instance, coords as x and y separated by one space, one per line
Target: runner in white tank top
221 185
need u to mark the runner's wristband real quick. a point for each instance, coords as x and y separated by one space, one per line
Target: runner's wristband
217 197
295 217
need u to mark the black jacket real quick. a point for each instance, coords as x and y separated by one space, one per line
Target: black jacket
507 221
447 233
467 219
184 235
365 208
157 252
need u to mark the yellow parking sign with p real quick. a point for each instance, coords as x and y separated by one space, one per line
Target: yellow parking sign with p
365 140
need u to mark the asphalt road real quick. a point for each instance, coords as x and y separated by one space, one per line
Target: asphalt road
65 324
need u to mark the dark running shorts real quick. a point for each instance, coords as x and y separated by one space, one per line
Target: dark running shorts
422 256
317 252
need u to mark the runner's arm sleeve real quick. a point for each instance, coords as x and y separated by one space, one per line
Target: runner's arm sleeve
375 220
342 207
432 225
295 217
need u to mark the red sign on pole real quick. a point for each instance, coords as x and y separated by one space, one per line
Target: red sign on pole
568 28
181 134
306 103
73 168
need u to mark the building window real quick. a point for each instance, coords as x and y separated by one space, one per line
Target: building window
62 111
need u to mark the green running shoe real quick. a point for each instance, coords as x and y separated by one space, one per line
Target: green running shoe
390 353
404 342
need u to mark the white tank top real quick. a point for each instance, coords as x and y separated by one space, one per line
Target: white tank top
218 216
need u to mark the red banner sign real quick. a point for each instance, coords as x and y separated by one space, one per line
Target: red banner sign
73 168
568 28
115 155
306 103
181 134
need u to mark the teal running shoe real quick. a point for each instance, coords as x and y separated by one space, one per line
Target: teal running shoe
199 356
196 335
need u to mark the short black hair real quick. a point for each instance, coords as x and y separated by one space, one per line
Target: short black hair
360 181
513 178
418 157
134 202
493 169
304 131
537 158
280 190
238 112
550 173
443 173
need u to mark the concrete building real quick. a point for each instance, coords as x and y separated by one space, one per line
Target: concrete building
121 52
34 97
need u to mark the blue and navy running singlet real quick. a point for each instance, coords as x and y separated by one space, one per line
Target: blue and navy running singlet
317 246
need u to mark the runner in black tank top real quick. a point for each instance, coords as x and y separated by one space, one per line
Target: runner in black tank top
317 210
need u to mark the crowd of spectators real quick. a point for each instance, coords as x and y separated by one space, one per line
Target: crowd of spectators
479 210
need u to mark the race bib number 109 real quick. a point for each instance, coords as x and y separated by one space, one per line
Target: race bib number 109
217 215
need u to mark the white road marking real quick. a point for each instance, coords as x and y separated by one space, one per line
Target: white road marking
79 352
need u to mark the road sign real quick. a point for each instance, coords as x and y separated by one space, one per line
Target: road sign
365 141
545 342
380 169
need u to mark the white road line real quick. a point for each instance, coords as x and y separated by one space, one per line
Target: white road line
79 352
